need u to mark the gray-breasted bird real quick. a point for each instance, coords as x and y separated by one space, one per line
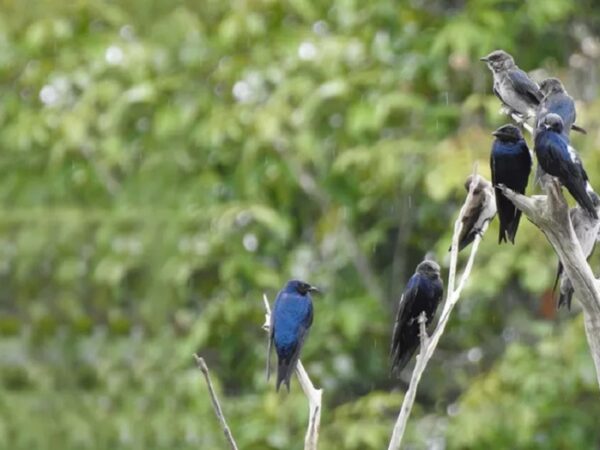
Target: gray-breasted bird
423 293
586 229
557 158
510 161
291 319
513 86
557 100
481 209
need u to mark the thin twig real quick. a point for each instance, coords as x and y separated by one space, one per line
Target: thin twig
313 395
428 345
215 402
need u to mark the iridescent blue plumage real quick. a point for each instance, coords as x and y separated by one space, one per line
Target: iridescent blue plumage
556 100
510 162
557 158
291 319
423 293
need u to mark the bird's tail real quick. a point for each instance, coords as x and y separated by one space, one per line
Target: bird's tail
400 360
509 218
285 369
470 237
565 297
582 197
559 271
502 235
578 129
513 226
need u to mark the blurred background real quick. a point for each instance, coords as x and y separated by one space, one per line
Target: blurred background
163 164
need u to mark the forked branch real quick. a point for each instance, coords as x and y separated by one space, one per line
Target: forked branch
550 213
429 344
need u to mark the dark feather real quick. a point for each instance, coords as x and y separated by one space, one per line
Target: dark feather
524 86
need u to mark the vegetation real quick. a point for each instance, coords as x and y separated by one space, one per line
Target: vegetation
165 163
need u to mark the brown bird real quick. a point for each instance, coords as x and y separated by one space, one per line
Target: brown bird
480 210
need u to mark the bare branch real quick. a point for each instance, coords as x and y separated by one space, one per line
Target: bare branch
551 215
215 401
313 395
428 345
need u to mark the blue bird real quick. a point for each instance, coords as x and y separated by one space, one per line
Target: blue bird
510 162
423 293
291 319
557 100
557 158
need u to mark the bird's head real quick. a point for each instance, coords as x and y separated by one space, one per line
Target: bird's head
552 122
482 183
551 85
429 268
498 61
299 287
508 133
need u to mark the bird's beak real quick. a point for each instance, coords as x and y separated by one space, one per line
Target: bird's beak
484 59
314 290
496 133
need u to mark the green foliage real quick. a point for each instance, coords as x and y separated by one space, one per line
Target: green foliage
521 402
165 163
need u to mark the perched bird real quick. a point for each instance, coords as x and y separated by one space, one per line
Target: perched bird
586 229
557 158
513 86
481 209
423 293
291 319
557 100
510 162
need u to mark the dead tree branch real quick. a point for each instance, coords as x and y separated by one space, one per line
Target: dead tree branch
550 213
215 401
429 344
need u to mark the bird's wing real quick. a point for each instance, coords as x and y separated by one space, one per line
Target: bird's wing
525 86
303 330
403 314
472 213
524 167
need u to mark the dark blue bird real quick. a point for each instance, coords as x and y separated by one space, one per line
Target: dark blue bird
291 319
557 158
510 162
557 100
423 293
